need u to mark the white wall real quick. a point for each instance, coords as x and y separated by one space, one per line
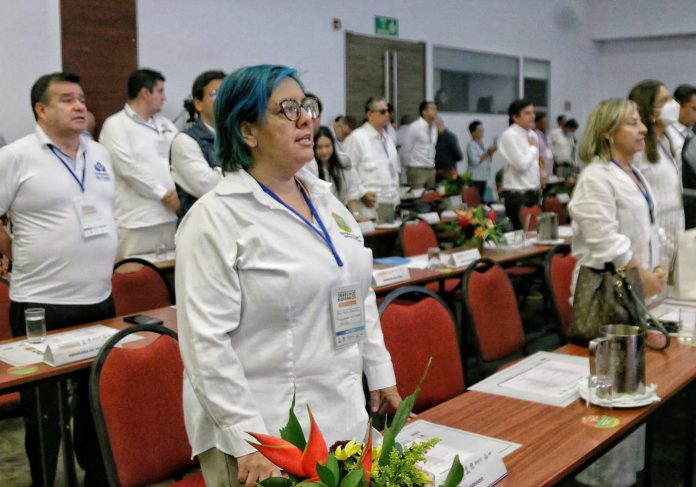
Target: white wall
29 47
625 19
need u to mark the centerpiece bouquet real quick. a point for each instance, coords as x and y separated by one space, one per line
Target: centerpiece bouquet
454 183
348 463
476 226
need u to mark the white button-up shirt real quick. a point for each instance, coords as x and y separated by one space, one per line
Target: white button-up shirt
419 144
611 218
521 160
140 153
190 170
253 287
376 164
53 262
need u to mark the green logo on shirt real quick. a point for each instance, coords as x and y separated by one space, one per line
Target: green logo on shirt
341 222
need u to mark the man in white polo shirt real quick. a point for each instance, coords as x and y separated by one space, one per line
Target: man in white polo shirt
59 189
419 147
138 139
519 147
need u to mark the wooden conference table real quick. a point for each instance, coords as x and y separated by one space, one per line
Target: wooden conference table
555 443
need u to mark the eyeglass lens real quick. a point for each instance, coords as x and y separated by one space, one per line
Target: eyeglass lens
291 109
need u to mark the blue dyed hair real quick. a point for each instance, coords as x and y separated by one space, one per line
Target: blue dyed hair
243 97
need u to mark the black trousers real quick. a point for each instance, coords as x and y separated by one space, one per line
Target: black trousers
515 200
85 439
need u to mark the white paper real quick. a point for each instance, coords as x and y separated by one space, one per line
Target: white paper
367 226
481 456
545 377
418 261
565 231
19 354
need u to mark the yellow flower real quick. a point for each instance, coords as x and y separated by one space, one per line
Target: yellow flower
479 233
489 224
474 221
348 450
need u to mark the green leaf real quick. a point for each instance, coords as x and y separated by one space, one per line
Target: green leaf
332 464
455 475
276 482
293 431
354 478
327 476
402 414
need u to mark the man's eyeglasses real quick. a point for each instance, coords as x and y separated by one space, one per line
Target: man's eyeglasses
383 111
291 108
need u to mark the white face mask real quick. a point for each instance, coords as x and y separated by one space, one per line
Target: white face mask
669 114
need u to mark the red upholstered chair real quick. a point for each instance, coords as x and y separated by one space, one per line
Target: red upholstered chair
10 405
432 196
415 238
559 275
413 332
553 204
137 405
138 285
490 309
531 212
471 196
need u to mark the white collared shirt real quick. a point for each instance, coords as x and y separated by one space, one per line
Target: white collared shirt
257 322
677 134
520 159
376 164
611 218
190 170
419 144
53 262
140 153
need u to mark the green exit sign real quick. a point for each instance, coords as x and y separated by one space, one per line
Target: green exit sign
386 26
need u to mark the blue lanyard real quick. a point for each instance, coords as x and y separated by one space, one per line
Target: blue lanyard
643 190
67 165
323 234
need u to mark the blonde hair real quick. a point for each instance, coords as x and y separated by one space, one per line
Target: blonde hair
604 120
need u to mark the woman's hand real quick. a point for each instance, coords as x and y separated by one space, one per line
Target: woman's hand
254 468
381 399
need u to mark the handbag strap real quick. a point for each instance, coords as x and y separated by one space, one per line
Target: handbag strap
645 318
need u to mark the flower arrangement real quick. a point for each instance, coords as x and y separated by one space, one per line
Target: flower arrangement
348 463
454 183
476 225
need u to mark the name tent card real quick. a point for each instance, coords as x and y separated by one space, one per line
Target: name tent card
430 217
367 226
463 258
391 275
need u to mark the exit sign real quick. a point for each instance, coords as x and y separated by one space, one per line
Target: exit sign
386 26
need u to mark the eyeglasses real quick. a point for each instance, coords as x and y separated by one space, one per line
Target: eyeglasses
383 111
291 108
213 94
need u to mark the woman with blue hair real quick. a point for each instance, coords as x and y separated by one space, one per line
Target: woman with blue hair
273 288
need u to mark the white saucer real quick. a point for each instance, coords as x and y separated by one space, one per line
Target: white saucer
622 401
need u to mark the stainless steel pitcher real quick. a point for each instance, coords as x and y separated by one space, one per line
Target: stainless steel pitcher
620 353
547 226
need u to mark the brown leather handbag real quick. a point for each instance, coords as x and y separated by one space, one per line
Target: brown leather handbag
609 296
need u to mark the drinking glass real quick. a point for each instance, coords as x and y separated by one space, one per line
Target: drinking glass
687 326
35 321
433 257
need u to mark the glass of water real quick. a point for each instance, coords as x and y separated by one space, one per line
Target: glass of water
433 257
35 321
687 327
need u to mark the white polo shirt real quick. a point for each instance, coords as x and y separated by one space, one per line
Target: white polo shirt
53 263
140 153
521 160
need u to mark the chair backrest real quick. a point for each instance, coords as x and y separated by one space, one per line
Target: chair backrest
5 328
558 276
413 332
471 196
553 204
432 196
137 405
137 285
416 237
531 212
491 309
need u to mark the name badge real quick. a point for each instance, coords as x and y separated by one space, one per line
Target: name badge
92 222
348 315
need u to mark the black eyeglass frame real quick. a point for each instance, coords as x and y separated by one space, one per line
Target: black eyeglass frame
291 109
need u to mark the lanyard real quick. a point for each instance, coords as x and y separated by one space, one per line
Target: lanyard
67 165
385 144
323 234
643 190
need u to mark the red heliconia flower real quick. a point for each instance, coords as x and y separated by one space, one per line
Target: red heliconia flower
315 451
367 456
281 453
464 222
491 215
